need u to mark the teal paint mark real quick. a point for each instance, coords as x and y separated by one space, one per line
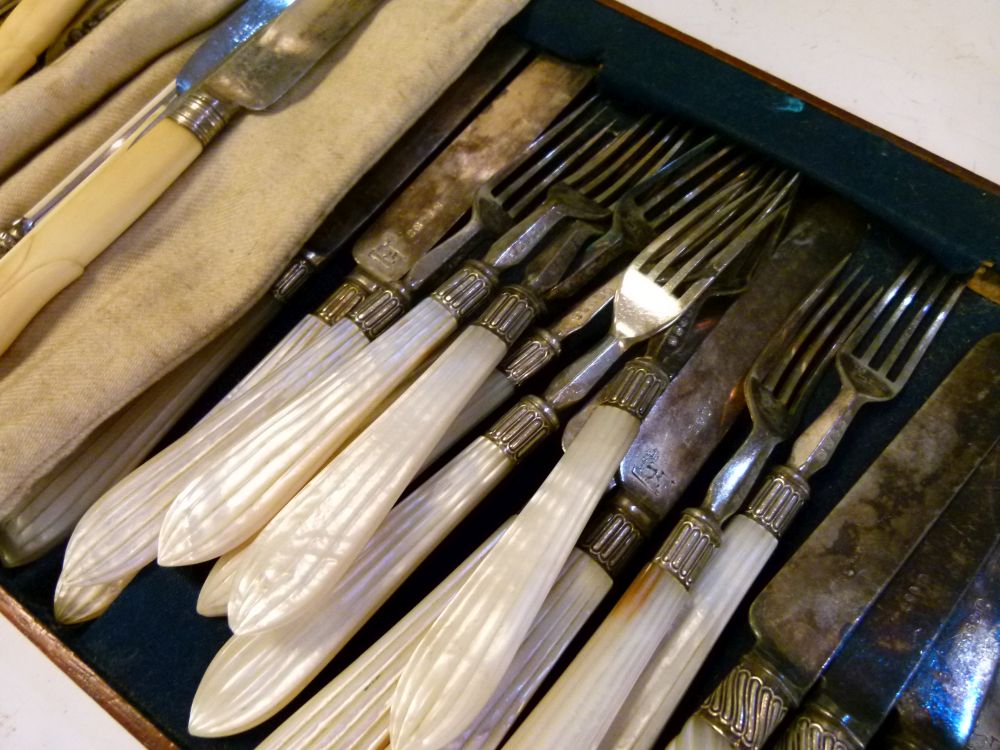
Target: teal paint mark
790 104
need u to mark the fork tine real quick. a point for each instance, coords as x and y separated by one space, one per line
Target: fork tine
760 218
886 327
637 170
865 326
576 154
803 379
593 170
652 207
680 244
772 365
911 328
929 334
548 146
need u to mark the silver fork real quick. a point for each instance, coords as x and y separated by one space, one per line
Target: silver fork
648 300
874 364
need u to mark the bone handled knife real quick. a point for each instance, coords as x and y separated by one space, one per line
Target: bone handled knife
29 29
811 606
860 687
254 75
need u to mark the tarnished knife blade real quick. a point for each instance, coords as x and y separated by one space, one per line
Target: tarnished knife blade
261 70
940 705
701 403
860 687
986 734
809 608
442 193
239 26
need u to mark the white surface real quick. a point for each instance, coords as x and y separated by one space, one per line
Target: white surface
925 70
43 709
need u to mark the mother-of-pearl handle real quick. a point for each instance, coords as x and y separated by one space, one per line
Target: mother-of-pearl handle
306 549
253 676
463 658
243 480
118 534
715 596
577 711
361 692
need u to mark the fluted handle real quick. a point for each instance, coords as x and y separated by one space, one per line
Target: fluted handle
577 711
580 588
714 598
118 535
297 340
245 478
357 699
699 735
301 554
465 655
254 675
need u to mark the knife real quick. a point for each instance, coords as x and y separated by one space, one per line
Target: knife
31 27
986 733
809 608
940 705
234 30
860 687
254 75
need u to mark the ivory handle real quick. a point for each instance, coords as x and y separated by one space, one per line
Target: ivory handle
28 31
463 658
88 220
253 676
306 549
699 735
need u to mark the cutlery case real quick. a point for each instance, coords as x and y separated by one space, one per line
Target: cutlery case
144 658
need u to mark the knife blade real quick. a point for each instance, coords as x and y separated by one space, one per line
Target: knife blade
986 733
810 607
252 76
939 707
860 687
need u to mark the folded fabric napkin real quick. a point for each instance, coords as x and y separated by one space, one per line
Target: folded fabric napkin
213 243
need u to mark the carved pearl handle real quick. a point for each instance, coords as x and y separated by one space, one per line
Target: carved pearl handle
463 658
118 535
243 480
28 31
304 551
699 735
55 252
358 698
719 590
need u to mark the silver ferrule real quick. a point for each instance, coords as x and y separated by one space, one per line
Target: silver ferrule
468 288
779 500
531 355
616 533
295 275
356 287
818 728
510 314
690 546
636 387
13 234
380 309
527 424
202 114
749 703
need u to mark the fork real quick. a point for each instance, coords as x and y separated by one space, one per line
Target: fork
874 365
462 659
580 707
336 513
118 535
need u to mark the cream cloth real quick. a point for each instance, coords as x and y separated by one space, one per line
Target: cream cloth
215 241
132 37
